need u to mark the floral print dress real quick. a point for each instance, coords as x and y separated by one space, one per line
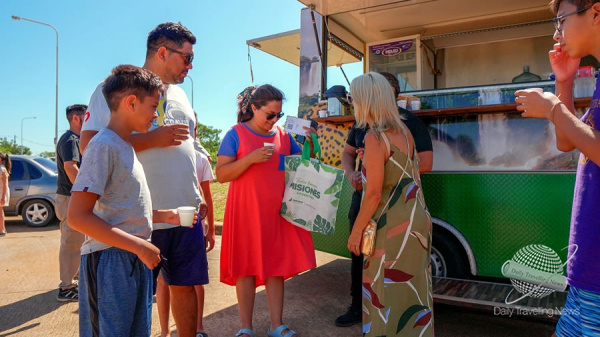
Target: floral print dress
397 294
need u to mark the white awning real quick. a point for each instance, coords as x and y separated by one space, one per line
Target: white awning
286 46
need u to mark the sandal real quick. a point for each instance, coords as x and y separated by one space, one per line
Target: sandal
201 334
2 233
245 332
277 332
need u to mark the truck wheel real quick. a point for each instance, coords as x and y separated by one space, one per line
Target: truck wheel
37 213
448 258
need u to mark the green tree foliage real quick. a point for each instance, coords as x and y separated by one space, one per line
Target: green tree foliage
47 154
11 147
209 138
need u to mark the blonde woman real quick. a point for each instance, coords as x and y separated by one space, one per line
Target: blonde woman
397 296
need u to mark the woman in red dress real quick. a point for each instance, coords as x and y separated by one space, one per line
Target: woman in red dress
259 247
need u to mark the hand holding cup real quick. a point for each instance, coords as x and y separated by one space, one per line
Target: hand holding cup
186 215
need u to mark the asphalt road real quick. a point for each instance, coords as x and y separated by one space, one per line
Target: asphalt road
29 279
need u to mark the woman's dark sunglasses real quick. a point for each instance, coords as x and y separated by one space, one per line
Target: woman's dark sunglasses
187 58
271 116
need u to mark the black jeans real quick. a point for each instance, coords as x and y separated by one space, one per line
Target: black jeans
357 261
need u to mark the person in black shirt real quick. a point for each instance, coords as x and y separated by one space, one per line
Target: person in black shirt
68 159
355 145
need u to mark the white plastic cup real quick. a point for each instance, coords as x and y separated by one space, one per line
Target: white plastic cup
322 113
402 103
271 146
186 215
415 105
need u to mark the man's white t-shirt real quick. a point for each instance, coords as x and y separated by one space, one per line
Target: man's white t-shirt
170 171
203 169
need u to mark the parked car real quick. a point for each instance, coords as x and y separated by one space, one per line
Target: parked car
48 163
32 185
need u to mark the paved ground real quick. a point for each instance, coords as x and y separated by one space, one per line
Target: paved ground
29 278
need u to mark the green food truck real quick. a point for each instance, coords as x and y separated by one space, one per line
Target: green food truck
498 182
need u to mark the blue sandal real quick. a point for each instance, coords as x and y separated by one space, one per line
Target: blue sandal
277 332
245 331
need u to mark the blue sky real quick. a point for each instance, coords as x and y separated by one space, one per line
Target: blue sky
95 36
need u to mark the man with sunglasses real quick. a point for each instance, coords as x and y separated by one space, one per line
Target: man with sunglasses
168 157
577 35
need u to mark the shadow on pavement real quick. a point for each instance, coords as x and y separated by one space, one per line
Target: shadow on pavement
18 313
312 302
23 329
16 225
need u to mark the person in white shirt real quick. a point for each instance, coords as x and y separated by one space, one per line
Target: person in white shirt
167 155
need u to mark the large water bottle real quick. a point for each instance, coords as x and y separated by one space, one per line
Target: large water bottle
584 82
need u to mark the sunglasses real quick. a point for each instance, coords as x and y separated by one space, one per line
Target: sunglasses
271 116
187 58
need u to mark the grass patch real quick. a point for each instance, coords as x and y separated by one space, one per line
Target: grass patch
219 194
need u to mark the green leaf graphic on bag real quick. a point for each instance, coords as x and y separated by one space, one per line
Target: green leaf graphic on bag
329 169
312 188
323 226
337 185
316 164
292 162
335 188
300 222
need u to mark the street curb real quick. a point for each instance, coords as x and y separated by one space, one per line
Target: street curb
218 228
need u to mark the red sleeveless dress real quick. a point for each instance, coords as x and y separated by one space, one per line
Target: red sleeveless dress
256 240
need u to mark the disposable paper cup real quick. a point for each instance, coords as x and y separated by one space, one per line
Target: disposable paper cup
186 215
322 113
415 105
402 103
269 145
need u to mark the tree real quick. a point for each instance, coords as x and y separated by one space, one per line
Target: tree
209 138
47 154
11 147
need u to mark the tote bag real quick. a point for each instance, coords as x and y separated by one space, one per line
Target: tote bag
312 191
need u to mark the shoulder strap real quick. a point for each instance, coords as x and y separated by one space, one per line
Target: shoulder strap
405 130
382 136
387 143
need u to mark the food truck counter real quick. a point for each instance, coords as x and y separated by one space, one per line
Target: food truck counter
467 100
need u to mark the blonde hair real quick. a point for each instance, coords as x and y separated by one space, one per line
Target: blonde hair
374 103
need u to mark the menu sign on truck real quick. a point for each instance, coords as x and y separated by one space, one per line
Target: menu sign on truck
398 58
392 48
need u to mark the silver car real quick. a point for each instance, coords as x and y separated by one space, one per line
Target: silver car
32 185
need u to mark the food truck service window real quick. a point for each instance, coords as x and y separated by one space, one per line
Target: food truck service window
399 57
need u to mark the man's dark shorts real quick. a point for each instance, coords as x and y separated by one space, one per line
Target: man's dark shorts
183 257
